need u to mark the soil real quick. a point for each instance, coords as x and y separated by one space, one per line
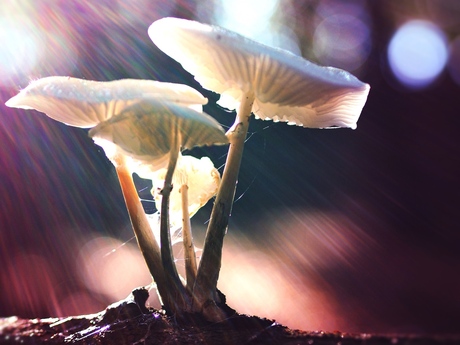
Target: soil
130 322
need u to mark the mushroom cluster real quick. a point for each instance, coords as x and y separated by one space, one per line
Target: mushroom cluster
141 125
273 84
144 125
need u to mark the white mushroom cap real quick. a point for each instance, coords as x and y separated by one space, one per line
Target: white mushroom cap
201 177
146 130
286 87
85 103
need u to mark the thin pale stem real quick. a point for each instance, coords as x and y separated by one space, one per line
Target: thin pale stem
205 289
187 240
176 288
144 235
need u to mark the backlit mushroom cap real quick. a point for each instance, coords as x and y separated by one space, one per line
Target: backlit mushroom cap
85 103
147 129
286 87
201 177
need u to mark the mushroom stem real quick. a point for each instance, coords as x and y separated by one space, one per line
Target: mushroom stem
144 235
205 289
177 290
187 239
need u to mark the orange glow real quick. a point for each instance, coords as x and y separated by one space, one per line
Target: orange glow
256 283
281 275
112 268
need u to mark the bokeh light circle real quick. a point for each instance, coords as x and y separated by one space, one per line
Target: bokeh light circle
342 40
20 48
111 268
246 17
417 53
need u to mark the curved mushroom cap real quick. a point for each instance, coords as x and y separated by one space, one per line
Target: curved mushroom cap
286 87
85 103
147 129
201 177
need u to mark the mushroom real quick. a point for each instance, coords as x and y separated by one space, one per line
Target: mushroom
200 175
197 181
150 130
85 103
272 83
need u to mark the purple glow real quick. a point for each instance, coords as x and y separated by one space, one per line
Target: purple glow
454 60
343 41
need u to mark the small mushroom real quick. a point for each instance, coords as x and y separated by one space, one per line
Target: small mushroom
201 176
85 103
150 130
272 83
196 181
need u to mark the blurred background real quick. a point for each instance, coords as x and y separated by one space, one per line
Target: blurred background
356 231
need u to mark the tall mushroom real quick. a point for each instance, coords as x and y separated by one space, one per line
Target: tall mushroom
273 84
85 103
152 130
